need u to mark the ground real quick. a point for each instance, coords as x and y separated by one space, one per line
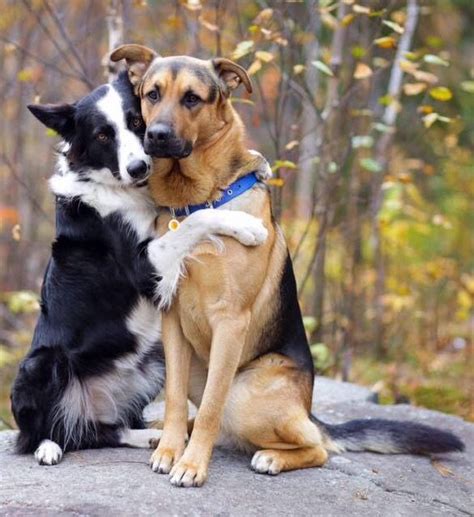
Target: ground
119 481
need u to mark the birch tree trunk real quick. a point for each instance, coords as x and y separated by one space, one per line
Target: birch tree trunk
115 34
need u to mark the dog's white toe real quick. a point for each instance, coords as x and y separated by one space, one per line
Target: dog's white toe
48 453
264 462
252 231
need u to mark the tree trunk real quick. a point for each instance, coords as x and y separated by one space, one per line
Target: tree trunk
115 34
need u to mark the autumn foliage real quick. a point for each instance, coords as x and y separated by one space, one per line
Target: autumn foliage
364 109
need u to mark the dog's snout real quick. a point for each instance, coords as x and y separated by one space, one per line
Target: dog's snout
137 169
160 133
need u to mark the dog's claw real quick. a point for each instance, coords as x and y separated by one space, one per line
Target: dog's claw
188 474
162 460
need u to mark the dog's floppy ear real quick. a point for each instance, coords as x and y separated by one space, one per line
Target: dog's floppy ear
59 117
137 57
232 74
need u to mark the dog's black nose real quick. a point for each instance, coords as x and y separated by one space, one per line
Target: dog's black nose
159 133
137 169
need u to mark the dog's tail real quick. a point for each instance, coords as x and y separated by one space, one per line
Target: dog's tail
387 437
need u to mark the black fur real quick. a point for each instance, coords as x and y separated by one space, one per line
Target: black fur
390 436
96 275
286 334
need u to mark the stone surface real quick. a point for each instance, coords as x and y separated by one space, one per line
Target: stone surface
119 481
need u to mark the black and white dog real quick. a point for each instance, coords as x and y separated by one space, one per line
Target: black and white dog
96 358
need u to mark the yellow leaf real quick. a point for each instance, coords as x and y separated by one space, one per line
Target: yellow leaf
360 9
399 17
348 19
298 69
242 49
25 75
276 182
414 88
430 119
408 66
329 20
441 93
264 16
254 67
264 56
394 26
403 177
362 71
386 42
426 77
291 145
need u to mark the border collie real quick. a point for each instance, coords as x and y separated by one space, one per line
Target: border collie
96 357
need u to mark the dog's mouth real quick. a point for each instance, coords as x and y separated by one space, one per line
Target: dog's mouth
176 150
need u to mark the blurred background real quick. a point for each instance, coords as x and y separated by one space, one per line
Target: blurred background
365 109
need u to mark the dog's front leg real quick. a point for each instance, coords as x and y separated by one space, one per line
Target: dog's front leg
229 335
177 360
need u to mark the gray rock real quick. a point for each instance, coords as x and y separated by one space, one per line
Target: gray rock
119 481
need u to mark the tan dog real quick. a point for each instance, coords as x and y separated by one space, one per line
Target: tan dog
234 337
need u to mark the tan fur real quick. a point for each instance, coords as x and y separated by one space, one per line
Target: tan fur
215 329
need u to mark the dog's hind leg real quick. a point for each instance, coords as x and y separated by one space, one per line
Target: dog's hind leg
258 415
140 438
48 453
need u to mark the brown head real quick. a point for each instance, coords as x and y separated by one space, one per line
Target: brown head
184 100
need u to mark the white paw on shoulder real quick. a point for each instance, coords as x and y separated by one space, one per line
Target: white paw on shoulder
264 171
48 453
247 229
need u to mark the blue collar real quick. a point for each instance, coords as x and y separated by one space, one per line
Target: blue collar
232 191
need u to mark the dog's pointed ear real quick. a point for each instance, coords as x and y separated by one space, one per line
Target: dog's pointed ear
59 117
137 57
232 74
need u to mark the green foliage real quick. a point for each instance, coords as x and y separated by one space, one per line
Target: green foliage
19 302
323 358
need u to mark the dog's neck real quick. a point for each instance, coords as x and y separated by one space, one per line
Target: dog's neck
209 169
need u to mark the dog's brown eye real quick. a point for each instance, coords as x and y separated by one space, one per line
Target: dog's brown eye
191 99
102 137
152 95
136 122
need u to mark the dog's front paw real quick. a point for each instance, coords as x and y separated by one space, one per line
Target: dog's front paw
164 458
189 472
249 230
48 453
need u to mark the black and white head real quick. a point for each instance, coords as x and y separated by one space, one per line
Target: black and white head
102 135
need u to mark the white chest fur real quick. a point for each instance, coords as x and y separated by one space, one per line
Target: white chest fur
134 204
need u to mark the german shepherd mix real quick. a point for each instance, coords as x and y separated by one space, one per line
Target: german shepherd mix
234 338
96 358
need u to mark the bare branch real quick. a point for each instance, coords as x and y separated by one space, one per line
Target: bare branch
69 43
26 187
